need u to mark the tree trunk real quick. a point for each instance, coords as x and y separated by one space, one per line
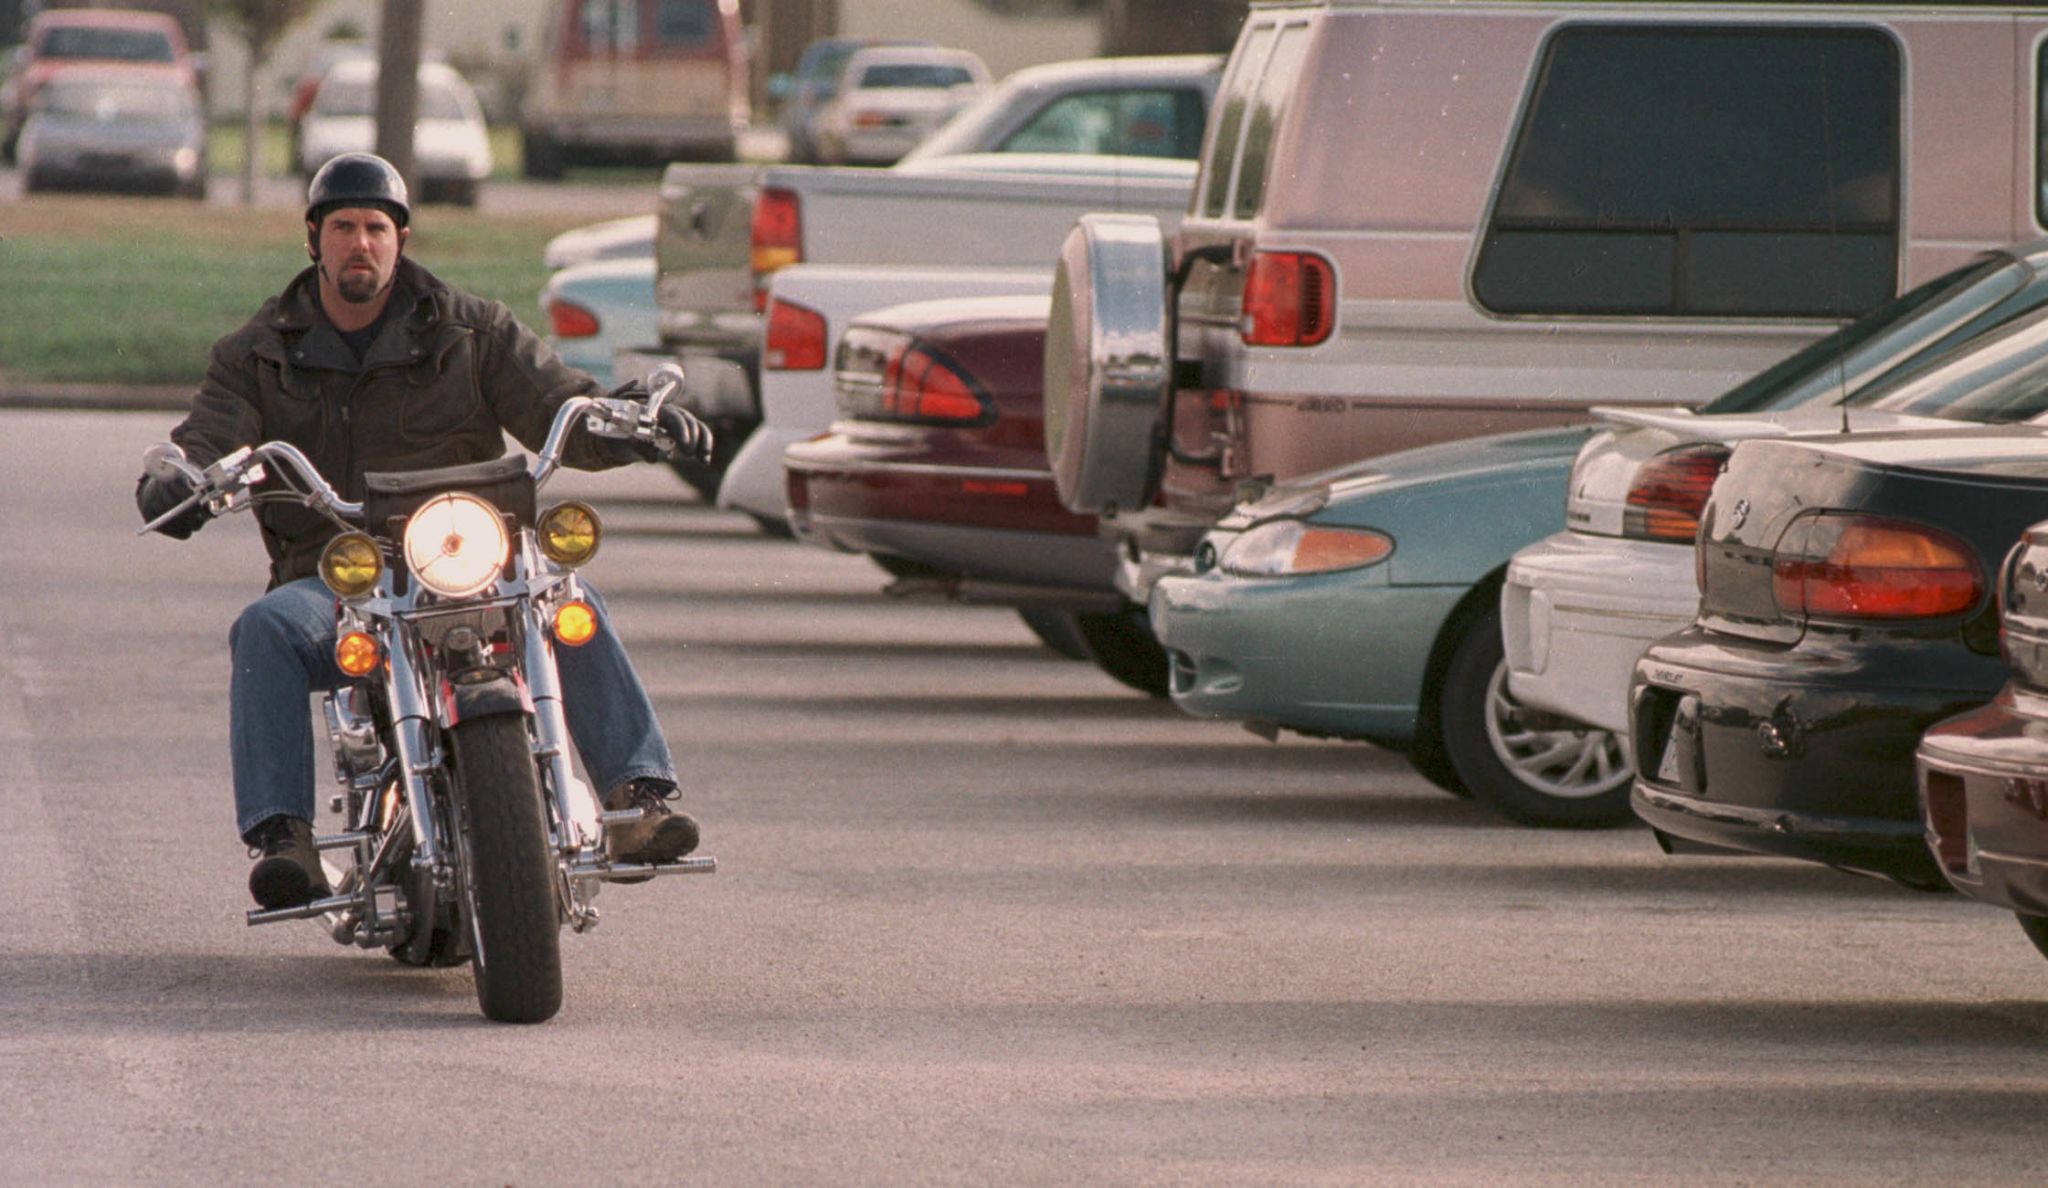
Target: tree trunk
252 140
398 84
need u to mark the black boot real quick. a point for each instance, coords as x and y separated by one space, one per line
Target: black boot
287 871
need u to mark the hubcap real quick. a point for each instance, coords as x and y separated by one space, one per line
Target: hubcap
1572 764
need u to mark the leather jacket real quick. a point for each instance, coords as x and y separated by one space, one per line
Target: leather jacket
448 375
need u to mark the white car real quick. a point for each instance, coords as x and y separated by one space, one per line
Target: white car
613 239
1579 607
451 145
597 306
892 97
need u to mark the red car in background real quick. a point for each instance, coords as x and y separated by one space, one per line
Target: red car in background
937 469
60 38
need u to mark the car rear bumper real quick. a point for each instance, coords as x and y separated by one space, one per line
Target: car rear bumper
1984 800
1799 752
1577 612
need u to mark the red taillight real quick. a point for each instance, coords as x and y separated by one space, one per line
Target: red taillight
1670 491
1290 299
777 238
566 319
871 119
795 339
1862 567
919 386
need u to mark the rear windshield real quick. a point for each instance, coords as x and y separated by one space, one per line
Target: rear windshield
1918 316
2000 379
913 74
119 45
128 103
356 97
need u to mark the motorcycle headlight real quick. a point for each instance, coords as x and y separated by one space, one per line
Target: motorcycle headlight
455 544
1286 548
569 534
351 565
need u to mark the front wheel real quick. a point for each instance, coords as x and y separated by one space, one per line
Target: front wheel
1121 644
1528 767
508 872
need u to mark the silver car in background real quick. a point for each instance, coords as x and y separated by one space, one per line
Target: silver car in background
451 145
112 129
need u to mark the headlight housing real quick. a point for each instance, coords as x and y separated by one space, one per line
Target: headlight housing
351 564
455 544
1288 548
569 534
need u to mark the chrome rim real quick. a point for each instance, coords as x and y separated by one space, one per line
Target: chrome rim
1570 764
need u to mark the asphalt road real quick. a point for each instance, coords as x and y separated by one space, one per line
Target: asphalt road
981 916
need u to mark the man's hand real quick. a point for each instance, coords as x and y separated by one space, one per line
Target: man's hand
155 496
690 436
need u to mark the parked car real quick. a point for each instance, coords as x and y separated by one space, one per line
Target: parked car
620 82
451 145
614 239
890 97
112 128
936 468
595 306
307 84
1845 606
1123 107
1365 604
1420 221
1580 606
805 90
1983 775
59 39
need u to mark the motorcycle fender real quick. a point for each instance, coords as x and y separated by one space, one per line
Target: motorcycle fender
483 694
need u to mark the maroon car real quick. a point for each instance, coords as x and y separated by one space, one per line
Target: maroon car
936 467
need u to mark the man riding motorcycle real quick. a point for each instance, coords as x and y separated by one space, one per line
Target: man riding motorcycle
367 362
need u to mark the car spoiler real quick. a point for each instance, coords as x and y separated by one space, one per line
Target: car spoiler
1685 423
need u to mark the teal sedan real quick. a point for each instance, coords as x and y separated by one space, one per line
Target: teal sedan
1364 603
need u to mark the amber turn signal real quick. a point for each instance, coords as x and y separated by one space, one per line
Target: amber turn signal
575 623
356 653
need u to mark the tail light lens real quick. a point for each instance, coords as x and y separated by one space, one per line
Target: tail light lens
1834 566
872 119
1290 299
883 376
777 238
1670 491
795 339
566 319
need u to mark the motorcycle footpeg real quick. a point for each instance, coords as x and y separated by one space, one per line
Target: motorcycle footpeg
615 872
304 911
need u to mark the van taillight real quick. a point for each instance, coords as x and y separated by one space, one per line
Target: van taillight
1836 566
777 239
566 319
1670 491
795 339
1290 299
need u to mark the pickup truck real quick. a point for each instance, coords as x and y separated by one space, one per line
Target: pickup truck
722 234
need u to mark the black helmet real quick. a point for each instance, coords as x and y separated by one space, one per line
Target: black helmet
357 179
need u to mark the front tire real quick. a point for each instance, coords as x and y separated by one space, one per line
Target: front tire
508 872
1532 771
1122 645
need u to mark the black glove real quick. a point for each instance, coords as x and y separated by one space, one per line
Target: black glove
691 436
155 496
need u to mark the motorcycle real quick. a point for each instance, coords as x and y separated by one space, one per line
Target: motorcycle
467 835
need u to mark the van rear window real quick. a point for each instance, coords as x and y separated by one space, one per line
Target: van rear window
1696 170
683 22
117 45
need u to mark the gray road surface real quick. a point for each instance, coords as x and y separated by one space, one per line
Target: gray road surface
982 916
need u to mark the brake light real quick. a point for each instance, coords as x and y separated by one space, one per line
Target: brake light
1670 491
1838 566
885 376
566 319
795 339
1290 299
777 238
871 119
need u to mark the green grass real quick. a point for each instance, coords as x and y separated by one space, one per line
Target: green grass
136 290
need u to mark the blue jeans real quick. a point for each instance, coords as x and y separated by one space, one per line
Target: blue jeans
283 649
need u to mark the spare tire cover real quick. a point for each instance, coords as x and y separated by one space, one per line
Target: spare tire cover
1107 363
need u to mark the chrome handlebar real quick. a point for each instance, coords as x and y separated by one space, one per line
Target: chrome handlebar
225 484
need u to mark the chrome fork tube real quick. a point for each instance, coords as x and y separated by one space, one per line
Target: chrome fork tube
551 727
410 712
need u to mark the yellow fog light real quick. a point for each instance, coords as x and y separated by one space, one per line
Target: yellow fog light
351 564
569 534
356 653
575 623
